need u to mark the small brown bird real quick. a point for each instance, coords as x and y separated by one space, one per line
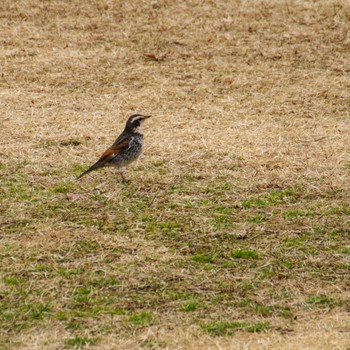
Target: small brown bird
126 148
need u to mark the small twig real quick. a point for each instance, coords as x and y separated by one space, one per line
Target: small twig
154 197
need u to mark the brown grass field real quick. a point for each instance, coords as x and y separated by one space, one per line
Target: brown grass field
234 230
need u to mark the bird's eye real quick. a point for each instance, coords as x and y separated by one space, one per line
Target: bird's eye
136 123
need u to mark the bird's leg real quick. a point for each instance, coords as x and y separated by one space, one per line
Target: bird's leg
124 180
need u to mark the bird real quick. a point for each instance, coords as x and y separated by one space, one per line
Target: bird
126 148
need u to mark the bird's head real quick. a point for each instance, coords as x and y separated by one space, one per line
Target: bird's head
135 122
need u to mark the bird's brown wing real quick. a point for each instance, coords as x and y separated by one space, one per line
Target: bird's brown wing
113 151
109 154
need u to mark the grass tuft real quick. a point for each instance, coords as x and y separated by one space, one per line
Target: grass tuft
225 328
143 318
80 342
245 254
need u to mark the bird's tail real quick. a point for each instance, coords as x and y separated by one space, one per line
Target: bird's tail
95 166
84 173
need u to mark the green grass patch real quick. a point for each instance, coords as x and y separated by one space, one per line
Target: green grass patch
225 328
218 188
253 202
83 294
80 342
168 228
345 251
143 318
341 210
191 306
293 214
263 310
12 280
273 198
321 300
78 168
153 343
63 187
257 327
201 258
245 254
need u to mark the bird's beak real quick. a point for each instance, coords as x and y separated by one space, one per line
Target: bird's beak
147 116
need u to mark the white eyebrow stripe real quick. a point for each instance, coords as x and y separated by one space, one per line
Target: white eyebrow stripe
136 118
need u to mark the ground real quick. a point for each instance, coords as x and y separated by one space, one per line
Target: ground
234 230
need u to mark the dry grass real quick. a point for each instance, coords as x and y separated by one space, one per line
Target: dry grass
234 233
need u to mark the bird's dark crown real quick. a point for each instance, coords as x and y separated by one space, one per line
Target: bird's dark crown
135 121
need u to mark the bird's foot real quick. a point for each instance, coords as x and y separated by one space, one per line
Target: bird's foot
124 180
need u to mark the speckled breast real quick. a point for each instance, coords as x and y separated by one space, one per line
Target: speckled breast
131 153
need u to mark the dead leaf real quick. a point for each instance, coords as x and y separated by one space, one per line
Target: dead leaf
73 197
152 56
